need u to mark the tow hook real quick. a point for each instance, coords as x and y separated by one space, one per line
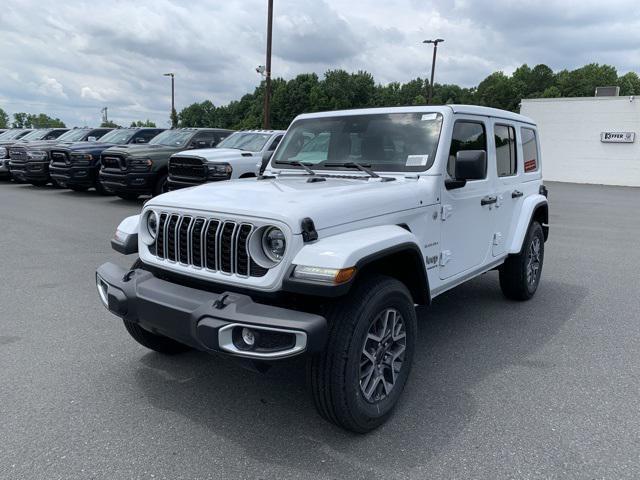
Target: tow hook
128 275
219 303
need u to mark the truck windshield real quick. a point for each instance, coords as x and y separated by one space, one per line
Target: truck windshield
387 142
172 138
36 135
11 134
73 136
249 141
117 136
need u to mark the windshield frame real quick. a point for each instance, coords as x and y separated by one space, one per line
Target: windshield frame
238 138
436 119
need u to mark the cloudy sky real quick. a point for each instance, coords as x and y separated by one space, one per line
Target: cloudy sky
70 58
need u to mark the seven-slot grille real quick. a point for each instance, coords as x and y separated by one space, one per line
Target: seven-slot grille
188 167
59 157
113 162
213 244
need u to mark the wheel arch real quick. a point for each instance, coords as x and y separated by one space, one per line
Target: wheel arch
534 208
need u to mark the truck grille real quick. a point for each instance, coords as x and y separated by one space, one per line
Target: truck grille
18 154
216 245
60 158
193 169
113 162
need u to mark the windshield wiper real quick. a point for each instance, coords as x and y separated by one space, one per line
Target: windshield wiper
364 167
296 163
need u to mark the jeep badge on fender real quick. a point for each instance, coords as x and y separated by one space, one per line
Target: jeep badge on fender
359 216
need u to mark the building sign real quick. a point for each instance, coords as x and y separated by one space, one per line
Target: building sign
617 137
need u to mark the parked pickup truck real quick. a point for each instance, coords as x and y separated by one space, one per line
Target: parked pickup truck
134 170
30 161
7 139
77 166
360 216
240 155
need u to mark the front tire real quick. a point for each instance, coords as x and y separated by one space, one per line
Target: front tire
520 274
130 197
358 379
162 185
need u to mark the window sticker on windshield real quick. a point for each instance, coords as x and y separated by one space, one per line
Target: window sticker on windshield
429 116
417 160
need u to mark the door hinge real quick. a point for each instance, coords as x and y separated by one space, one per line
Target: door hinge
446 211
497 238
445 256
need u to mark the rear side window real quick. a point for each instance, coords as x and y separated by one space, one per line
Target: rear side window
466 136
505 137
529 150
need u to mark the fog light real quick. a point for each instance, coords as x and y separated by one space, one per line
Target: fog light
248 337
103 290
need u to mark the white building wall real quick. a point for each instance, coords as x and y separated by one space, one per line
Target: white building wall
570 131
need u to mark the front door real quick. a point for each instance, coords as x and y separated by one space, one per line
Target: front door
467 218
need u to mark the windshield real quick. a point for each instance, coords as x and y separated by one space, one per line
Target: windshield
73 135
172 138
36 135
249 141
11 134
393 142
117 136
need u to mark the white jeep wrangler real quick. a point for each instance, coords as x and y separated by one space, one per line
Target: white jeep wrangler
360 216
240 155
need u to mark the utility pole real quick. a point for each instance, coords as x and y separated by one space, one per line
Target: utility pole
433 65
173 115
267 89
105 119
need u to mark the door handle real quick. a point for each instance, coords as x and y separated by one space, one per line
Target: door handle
488 200
516 194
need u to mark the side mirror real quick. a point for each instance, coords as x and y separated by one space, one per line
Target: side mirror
92 139
470 165
266 157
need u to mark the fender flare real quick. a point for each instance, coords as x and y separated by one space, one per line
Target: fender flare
125 239
357 248
529 207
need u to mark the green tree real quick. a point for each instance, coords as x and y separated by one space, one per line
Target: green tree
498 91
582 82
629 84
110 124
4 119
41 120
20 120
140 123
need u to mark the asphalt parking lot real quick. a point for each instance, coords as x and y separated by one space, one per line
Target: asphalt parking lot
544 389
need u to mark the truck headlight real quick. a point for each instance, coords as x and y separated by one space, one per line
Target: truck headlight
219 170
150 223
141 164
274 244
36 155
82 159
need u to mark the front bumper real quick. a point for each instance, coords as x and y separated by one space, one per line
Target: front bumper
129 182
30 171
204 320
74 175
4 167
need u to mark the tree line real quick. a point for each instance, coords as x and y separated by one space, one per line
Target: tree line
42 120
339 89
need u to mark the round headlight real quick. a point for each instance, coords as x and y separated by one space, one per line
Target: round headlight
274 244
152 224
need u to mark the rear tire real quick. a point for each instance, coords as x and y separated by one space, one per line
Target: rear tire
358 379
40 183
520 274
78 188
102 190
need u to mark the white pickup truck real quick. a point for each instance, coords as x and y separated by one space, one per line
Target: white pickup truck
240 155
360 216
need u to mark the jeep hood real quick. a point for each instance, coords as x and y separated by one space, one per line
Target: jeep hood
216 154
336 201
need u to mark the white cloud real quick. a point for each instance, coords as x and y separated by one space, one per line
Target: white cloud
71 58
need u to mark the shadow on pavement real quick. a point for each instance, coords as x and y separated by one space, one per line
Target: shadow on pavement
467 335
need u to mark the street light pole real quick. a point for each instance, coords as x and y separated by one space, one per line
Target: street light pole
267 89
433 65
173 99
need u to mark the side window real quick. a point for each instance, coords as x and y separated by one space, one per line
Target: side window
204 140
146 135
505 137
529 150
467 135
275 143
